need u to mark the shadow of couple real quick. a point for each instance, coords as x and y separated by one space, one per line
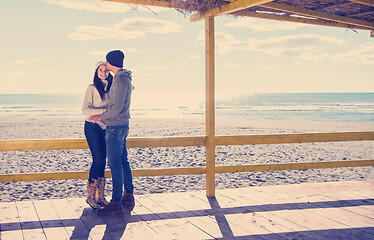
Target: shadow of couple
90 225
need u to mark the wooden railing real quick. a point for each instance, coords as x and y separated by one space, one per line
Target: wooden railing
61 144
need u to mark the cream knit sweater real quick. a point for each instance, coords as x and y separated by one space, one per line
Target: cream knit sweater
93 105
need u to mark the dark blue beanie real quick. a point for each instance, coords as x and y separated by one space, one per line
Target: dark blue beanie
115 58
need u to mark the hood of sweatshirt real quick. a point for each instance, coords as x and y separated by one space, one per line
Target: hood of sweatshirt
124 72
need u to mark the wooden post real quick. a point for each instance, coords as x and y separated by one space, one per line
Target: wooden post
209 106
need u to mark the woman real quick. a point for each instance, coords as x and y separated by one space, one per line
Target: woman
95 102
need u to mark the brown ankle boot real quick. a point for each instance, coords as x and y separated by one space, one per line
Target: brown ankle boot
100 193
91 191
128 199
114 207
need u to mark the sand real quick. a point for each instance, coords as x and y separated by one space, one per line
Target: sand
13 128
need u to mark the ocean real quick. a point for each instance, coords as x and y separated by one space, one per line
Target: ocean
276 106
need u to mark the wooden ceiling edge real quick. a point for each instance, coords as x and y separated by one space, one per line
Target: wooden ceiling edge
320 22
364 2
151 3
161 3
234 6
325 22
316 14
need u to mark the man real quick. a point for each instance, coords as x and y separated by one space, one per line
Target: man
117 117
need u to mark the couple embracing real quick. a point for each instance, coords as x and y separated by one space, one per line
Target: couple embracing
107 107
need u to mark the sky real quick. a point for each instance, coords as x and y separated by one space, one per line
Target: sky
52 46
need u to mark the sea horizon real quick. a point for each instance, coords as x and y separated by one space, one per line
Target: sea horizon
272 106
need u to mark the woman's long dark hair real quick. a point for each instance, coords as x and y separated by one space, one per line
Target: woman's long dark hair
98 83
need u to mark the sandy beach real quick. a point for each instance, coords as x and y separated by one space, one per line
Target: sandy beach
13 128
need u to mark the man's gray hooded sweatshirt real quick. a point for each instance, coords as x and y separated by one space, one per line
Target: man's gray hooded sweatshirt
118 112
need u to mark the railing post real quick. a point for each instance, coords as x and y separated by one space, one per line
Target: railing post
210 106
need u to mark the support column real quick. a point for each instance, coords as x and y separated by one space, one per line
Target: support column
210 106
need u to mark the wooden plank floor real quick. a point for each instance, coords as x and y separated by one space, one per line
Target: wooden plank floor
338 210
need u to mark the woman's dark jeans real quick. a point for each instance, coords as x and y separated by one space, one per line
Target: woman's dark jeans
95 136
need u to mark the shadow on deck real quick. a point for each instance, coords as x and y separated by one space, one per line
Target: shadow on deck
336 210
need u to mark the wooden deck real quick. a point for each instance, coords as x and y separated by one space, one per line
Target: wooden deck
339 210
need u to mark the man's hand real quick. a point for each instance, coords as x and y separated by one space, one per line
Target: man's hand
95 118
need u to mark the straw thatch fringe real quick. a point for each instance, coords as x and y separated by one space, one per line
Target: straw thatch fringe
346 8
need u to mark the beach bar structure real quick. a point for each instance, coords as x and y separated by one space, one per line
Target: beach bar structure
349 14
335 210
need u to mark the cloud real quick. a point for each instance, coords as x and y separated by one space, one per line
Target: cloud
24 61
151 68
102 6
364 54
93 33
21 74
133 50
297 48
258 25
103 53
92 5
193 56
308 47
149 71
230 65
97 53
129 28
225 42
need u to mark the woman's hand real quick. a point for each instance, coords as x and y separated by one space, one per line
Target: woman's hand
95 118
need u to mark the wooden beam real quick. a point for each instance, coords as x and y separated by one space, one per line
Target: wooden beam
36 145
363 13
62 144
166 142
312 21
210 106
234 6
26 177
317 14
364 2
294 166
168 171
167 4
294 138
244 4
152 3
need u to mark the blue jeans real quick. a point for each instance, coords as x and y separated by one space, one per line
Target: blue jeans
115 137
95 137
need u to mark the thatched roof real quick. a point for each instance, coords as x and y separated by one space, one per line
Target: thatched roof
355 14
